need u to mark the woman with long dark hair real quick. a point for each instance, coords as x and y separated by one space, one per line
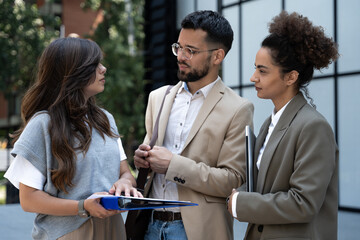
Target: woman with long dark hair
296 156
69 148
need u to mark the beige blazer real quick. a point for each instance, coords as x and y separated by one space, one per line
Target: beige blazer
297 184
212 162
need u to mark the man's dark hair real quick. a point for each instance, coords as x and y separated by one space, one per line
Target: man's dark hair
218 29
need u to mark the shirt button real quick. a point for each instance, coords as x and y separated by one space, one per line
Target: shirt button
180 124
187 103
176 146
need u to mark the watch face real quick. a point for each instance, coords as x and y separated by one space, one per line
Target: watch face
83 214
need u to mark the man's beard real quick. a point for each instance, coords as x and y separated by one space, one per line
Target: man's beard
194 75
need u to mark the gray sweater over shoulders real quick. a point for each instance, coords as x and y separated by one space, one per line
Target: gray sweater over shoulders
96 171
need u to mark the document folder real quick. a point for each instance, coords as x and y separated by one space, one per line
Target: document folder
250 144
134 203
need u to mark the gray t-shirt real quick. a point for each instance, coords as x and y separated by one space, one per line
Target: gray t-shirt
96 171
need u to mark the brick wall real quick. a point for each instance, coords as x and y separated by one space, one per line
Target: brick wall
76 20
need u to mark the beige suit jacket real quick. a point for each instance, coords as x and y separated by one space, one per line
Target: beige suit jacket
297 184
212 162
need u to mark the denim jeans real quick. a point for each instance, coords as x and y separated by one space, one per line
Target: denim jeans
159 230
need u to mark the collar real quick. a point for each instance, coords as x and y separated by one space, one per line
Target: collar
276 116
204 90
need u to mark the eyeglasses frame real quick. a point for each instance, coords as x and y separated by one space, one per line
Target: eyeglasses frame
174 45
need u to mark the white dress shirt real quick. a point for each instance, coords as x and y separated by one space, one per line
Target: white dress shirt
275 116
183 114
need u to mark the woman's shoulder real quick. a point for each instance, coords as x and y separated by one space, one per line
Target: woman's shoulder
311 119
39 118
109 116
107 113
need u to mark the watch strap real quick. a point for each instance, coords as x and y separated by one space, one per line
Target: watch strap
81 210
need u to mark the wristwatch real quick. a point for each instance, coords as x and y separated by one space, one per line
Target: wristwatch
81 210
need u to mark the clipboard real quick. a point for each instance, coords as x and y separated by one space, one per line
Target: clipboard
250 144
124 203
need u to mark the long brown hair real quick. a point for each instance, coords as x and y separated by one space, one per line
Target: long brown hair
65 68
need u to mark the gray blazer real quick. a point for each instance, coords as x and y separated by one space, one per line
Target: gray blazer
297 184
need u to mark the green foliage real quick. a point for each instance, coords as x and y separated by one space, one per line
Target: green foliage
23 37
120 36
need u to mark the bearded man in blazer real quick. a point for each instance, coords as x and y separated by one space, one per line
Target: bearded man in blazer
199 153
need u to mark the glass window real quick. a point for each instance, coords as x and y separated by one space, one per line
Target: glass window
207 5
320 12
227 2
348 35
348 137
184 7
230 66
322 92
254 24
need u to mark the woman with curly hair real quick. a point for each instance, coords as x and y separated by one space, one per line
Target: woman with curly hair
296 156
69 148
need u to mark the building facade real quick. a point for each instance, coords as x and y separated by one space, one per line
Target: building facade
334 90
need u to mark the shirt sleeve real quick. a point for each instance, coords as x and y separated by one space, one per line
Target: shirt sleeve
121 149
22 171
233 204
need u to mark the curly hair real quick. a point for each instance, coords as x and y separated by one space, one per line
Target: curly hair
296 44
218 29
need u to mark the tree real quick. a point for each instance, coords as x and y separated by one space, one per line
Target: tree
120 36
23 36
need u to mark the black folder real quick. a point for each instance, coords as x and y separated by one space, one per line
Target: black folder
250 144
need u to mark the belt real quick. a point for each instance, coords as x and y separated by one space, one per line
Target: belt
166 216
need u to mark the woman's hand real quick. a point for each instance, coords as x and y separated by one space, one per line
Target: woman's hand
33 200
229 201
126 185
95 209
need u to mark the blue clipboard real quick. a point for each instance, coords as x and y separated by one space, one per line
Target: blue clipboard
124 203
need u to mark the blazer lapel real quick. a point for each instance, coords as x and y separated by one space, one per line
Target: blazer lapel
280 129
258 144
214 96
164 117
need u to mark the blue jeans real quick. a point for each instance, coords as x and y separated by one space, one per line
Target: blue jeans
159 230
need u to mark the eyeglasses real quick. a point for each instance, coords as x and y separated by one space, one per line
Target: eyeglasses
186 51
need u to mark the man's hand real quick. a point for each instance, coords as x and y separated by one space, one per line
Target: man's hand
159 159
140 154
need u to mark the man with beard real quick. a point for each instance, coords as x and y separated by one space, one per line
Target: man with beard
199 155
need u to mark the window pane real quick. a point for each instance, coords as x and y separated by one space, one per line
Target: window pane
207 5
322 92
183 8
263 107
320 13
349 133
349 35
230 66
227 2
254 29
